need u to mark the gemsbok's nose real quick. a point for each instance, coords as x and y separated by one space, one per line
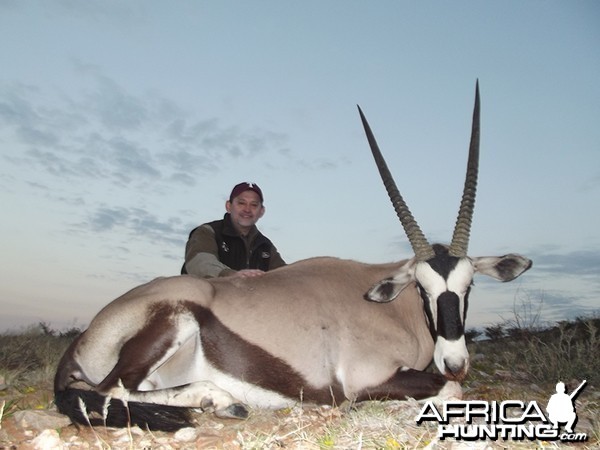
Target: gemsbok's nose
456 370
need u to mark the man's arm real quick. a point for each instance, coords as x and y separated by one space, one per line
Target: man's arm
276 259
202 255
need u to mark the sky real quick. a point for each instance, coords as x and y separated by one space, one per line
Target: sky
123 125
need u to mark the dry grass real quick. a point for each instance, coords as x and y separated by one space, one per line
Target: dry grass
544 356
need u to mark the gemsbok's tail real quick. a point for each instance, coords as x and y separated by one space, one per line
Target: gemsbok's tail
92 409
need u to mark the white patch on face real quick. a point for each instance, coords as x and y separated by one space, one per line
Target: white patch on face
461 277
453 354
433 284
459 280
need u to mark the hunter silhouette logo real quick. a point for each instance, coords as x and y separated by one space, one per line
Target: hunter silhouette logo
561 406
509 419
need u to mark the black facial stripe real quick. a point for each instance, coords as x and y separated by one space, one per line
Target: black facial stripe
466 305
449 326
428 313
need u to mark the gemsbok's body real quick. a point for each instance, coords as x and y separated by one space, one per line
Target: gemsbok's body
322 330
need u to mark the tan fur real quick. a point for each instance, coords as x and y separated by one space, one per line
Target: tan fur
313 315
310 314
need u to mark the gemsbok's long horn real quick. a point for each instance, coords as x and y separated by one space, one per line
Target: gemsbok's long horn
422 248
462 229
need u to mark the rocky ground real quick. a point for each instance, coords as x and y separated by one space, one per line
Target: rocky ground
29 421
295 428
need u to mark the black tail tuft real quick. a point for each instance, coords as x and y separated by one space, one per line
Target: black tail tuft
145 415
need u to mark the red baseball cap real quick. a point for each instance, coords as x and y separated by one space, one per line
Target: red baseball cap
246 186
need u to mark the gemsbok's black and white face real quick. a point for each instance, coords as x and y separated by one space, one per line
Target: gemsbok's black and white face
444 283
444 274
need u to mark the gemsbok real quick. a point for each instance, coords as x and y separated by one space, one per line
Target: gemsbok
319 331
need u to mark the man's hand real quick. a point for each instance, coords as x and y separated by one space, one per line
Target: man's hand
249 273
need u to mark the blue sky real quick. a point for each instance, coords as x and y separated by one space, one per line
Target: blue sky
125 124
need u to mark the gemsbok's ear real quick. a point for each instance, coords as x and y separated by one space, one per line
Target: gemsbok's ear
503 268
388 289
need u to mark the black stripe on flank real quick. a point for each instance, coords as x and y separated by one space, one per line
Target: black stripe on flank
139 353
231 354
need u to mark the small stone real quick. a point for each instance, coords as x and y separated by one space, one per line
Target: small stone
186 435
47 440
41 420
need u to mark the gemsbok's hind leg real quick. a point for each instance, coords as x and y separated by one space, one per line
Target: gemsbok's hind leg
204 395
133 377
410 383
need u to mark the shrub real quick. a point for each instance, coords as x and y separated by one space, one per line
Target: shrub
32 356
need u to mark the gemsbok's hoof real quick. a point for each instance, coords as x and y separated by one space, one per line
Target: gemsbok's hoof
451 391
233 411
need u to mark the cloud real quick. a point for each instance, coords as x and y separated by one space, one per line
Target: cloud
105 218
131 160
133 223
549 306
113 107
577 263
109 134
23 110
18 112
200 141
101 133
319 164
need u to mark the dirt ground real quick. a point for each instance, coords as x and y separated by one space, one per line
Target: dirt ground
302 428
376 425
262 430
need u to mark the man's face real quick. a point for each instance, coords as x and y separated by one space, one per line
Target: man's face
245 210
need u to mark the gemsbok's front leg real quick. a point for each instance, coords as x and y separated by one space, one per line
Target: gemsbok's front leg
410 383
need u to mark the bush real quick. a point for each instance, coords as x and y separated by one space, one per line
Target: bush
32 356
567 351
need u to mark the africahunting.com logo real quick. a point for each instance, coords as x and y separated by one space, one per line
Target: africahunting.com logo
508 420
